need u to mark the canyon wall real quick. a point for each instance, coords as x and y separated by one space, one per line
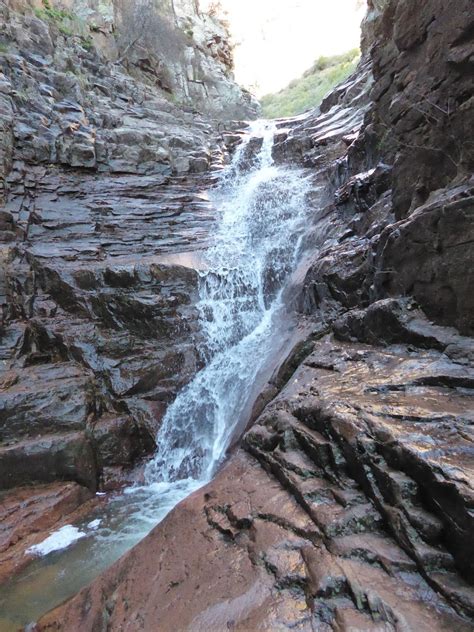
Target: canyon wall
349 503
109 114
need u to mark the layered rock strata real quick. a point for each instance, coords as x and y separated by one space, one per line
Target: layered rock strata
349 503
103 170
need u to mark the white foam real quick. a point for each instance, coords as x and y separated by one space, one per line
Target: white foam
60 539
94 524
256 246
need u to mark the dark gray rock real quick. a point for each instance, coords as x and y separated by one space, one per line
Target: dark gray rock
45 398
63 457
430 256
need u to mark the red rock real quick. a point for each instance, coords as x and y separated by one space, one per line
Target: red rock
27 514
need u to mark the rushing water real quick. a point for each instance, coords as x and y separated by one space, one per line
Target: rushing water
262 220
255 248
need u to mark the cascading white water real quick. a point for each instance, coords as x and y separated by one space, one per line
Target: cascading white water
263 214
262 222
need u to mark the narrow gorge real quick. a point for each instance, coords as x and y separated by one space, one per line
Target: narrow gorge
236 355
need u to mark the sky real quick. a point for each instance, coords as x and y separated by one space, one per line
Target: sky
277 40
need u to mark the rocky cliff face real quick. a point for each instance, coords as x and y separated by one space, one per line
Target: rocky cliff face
420 125
94 89
101 166
185 51
349 503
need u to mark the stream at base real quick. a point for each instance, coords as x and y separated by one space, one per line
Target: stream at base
261 224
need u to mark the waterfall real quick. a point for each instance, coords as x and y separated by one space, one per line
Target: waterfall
262 219
256 246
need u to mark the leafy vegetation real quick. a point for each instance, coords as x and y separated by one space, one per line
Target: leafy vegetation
87 42
61 18
309 90
51 13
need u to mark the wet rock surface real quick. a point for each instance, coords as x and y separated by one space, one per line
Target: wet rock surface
102 203
104 214
412 455
349 503
298 543
27 513
100 327
347 506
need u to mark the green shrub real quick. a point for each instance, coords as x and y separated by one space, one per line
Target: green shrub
87 43
309 90
58 16
65 30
